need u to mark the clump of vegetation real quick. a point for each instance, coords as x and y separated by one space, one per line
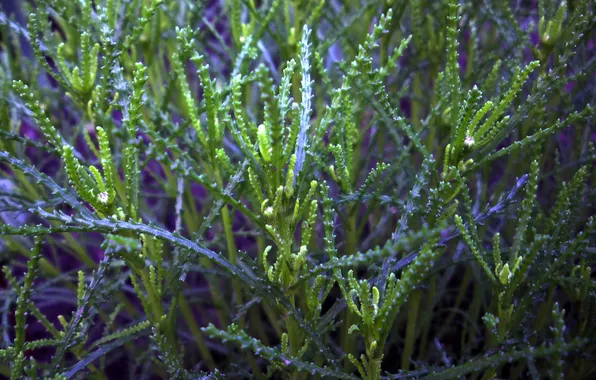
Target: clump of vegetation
298 189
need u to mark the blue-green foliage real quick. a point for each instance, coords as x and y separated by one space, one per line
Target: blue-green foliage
298 189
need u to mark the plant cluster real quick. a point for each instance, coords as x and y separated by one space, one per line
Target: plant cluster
380 189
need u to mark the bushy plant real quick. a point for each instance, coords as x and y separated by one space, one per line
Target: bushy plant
298 189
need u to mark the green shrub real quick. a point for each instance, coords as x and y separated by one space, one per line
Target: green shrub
298 189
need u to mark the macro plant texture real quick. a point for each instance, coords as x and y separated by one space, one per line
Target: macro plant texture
298 189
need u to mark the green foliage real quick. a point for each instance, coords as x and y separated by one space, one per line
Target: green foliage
298 189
